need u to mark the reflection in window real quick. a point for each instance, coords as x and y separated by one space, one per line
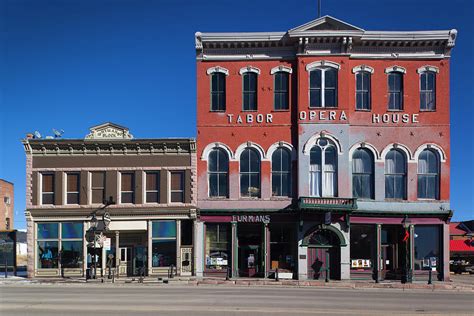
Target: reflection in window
218 253
323 169
323 88
395 175
282 242
428 175
281 172
428 91
163 243
250 173
47 245
218 170
362 174
363 247
427 246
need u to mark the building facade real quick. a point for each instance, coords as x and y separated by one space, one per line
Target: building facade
323 151
151 183
6 205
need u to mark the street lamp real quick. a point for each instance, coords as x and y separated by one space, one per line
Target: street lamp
407 277
94 223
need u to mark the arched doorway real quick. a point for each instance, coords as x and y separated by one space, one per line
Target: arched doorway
324 253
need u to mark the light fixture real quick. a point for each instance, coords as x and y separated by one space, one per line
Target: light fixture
94 221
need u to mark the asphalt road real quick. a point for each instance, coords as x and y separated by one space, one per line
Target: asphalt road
99 299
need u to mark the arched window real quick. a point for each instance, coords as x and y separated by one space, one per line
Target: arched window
395 175
428 175
323 87
363 90
218 170
428 91
395 90
250 173
249 91
218 91
281 90
363 174
323 169
281 172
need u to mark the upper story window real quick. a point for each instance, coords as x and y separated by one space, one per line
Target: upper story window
363 174
250 173
395 175
249 91
323 83
98 187
323 169
363 87
218 171
152 194
177 186
47 188
428 175
281 172
395 87
218 88
428 88
72 188
281 90
127 187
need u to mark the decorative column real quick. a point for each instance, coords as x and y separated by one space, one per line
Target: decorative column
198 251
411 249
117 253
235 251
378 252
178 247
266 248
149 247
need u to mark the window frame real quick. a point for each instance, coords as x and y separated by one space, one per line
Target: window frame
78 192
218 93
52 193
132 185
399 74
437 176
275 91
218 173
250 173
280 172
157 191
175 239
322 172
368 91
182 190
93 188
322 88
371 174
404 175
427 92
249 92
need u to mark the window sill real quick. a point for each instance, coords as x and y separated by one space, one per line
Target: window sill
363 110
219 111
245 111
218 198
389 110
283 110
428 200
422 111
323 107
395 200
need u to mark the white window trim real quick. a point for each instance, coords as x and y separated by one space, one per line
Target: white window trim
367 146
65 176
249 69
427 68
323 163
183 186
281 68
323 84
257 147
401 147
322 63
281 144
360 68
395 68
313 140
434 147
207 150
217 69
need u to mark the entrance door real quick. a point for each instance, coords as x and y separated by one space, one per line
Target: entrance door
250 254
139 262
318 262
125 267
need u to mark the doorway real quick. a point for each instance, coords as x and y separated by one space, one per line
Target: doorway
133 261
392 252
324 255
250 251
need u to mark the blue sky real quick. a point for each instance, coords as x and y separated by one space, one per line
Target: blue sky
71 64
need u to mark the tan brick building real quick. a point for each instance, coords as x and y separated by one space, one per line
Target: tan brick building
6 205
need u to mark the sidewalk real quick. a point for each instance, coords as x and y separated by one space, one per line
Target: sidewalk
243 282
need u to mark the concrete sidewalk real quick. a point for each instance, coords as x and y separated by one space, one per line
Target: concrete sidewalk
244 282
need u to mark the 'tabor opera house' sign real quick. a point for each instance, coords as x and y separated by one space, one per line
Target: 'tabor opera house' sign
323 116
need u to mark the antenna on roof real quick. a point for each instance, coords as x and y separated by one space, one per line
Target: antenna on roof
58 133
319 8
37 134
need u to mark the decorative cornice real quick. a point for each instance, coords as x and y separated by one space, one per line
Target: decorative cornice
281 68
217 69
322 63
395 69
249 69
427 68
362 68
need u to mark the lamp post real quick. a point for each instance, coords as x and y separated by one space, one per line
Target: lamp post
94 222
407 277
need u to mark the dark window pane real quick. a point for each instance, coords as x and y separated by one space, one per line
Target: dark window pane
47 255
127 197
128 182
48 198
186 232
152 197
177 197
330 78
315 98
223 184
213 184
98 195
177 181
427 246
47 231
71 254
48 182
163 253
73 182
152 182
330 97
218 92
98 179
315 78
72 198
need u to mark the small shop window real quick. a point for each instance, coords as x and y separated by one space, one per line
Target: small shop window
363 247
186 232
282 252
427 247
218 241
47 245
163 243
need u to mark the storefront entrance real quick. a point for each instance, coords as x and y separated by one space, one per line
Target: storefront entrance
392 252
250 250
133 254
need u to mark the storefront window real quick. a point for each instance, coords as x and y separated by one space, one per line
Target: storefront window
48 231
163 243
47 254
363 247
427 246
71 230
218 242
71 254
282 241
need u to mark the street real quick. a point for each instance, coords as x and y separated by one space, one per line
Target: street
128 299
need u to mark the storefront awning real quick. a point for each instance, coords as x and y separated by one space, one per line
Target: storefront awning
464 246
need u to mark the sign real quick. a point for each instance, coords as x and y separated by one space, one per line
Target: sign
107 243
251 218
360 263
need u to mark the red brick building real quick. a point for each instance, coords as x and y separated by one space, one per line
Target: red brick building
324 151
6 205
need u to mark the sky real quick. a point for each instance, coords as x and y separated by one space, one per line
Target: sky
73 64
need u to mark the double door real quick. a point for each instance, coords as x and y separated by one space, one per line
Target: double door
323 262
